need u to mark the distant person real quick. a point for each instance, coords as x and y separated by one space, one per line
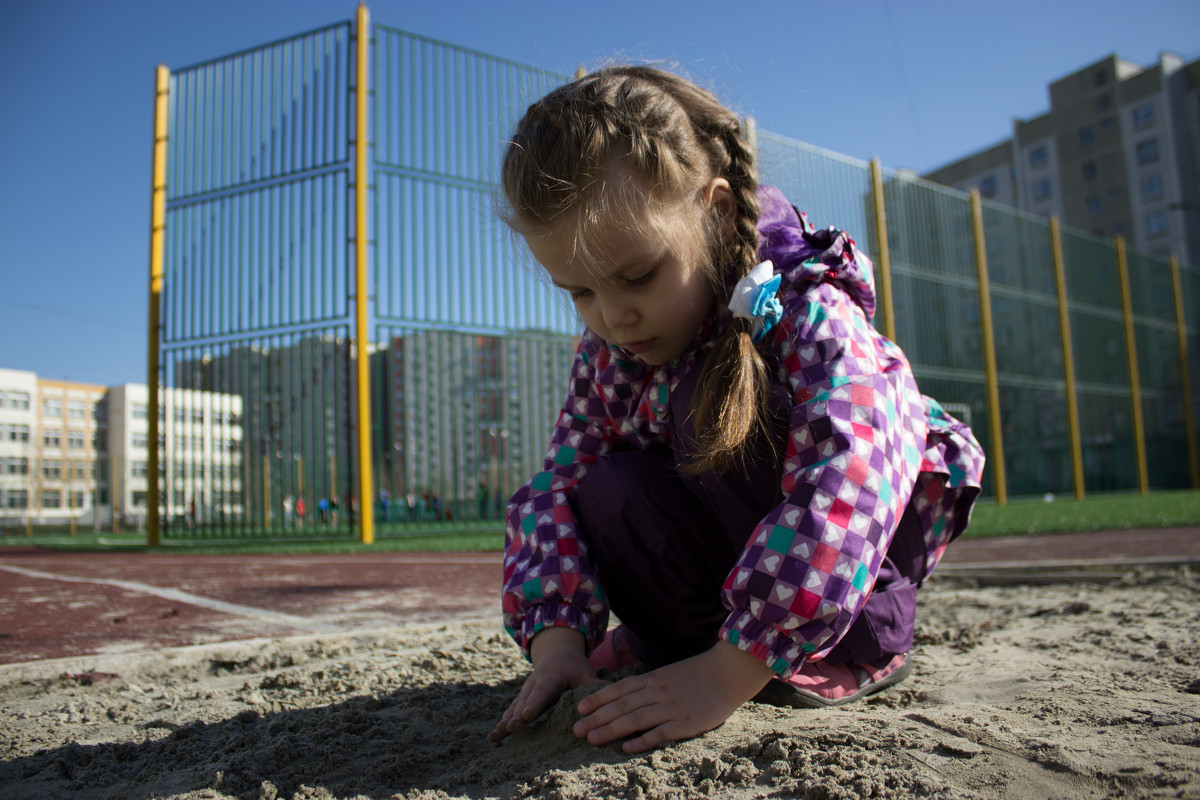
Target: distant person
191 514
744 470
333 511
323 510
288 506
301 508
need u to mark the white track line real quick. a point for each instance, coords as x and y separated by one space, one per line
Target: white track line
184 597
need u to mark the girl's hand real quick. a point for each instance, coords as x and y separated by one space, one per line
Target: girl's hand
559 664
678 701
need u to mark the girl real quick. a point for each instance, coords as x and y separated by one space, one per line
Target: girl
744 471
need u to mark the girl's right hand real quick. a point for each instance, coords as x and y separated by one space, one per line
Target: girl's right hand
559 664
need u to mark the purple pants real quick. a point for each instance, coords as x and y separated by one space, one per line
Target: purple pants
663 544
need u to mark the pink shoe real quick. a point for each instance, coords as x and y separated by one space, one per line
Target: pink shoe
821 685
614 653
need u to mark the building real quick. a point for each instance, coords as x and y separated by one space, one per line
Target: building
72 452
18 435
1117 155
468 418
200 441
53 451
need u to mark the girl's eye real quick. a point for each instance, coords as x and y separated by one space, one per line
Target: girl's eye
642 280
579 294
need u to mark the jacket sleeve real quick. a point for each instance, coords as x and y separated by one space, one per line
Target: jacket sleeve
548 579
857 431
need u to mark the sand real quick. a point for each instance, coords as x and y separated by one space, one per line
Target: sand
1074 689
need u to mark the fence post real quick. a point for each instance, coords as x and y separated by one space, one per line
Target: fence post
885 259
366 513
989 352
158 205
1135 386
1064 321
1184 378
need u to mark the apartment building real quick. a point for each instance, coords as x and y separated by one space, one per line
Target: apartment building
71 480
1117 155
200 444
53 450
18 434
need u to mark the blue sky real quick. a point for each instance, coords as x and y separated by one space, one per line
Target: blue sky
917 83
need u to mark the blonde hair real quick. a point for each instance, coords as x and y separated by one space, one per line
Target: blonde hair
677 137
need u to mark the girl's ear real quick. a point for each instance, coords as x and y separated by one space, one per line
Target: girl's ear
718 196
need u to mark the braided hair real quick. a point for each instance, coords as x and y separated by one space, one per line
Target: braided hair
677 137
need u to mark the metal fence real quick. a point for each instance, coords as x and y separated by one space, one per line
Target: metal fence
368 350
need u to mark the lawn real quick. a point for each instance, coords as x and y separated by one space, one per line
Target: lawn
1104 512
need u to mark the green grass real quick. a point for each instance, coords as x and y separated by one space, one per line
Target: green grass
1104 512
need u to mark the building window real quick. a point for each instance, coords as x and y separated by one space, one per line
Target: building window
1093 205
16 466
1147 151
139 498
76 410
51 439
52 470
1038 156
76 440
1041 189
51 498
139 411
1115 193
1101 77
16 498
139 441
1089 170
1085 137
51 407
1103 102
1156 224
99 411
138 469
76 500
1143 116
15 400
14 433
988 186
1118 230
1152 186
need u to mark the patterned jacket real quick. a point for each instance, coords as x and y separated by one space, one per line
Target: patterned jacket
863 442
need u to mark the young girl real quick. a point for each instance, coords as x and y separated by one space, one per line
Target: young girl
744 471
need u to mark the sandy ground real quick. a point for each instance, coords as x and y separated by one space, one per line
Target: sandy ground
1064 690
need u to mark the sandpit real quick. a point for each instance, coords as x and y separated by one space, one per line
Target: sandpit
1075 689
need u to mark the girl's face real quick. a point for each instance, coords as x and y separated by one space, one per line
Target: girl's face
647 290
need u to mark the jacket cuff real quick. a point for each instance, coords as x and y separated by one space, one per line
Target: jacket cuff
561 615
766 642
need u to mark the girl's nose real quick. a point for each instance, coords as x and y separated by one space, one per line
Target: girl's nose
617 313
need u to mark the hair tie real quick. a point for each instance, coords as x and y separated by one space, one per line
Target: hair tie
753 298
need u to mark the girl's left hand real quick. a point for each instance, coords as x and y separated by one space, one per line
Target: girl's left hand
674 702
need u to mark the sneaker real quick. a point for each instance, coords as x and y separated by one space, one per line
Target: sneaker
614 653
821 685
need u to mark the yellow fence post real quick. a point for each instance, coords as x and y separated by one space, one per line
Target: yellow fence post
996 457
362 351
1135 384
1184 377
884 256
158 221
1064 322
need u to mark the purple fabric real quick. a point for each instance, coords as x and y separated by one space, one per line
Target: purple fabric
861 443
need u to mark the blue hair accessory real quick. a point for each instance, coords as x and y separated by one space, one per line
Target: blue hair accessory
753 298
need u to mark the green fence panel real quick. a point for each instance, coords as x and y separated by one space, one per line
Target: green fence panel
472 346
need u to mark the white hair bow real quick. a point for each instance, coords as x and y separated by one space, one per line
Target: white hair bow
754 299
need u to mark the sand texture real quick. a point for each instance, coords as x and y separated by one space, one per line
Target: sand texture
1066 690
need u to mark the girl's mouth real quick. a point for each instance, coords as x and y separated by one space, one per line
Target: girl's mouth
637 348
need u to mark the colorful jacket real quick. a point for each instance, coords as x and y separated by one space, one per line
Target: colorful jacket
863 441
